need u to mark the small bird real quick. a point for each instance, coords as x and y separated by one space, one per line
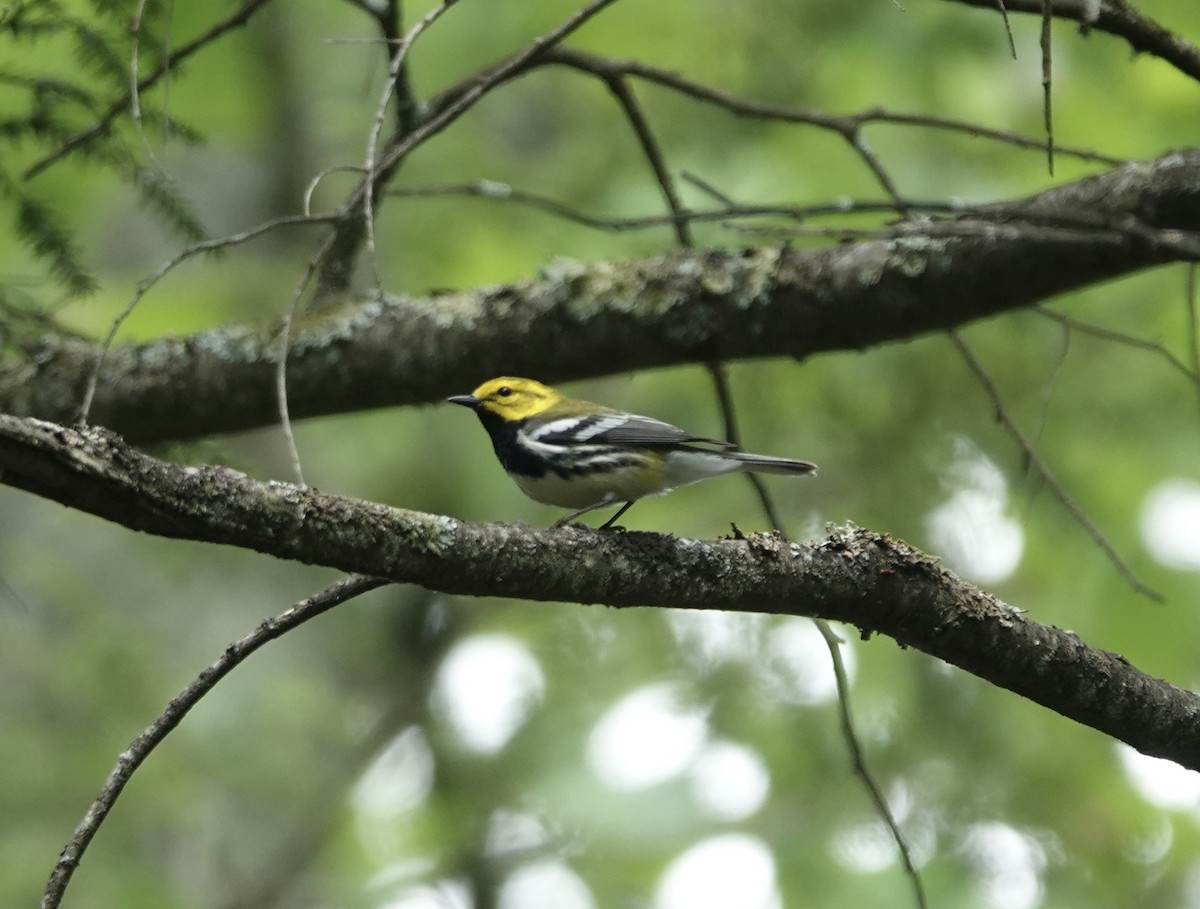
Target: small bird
575 454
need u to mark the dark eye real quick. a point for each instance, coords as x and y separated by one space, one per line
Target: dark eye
504 391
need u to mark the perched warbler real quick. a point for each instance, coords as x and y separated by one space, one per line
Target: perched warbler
575 454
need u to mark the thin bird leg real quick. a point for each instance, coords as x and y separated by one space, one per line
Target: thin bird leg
568 518
620 511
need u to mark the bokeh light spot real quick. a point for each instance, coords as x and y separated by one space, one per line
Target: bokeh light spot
645 738
486 688
721 872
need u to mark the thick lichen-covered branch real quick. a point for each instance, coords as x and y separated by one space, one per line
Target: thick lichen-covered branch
576 320
873 582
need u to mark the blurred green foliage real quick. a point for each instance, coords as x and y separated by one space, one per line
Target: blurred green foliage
257 799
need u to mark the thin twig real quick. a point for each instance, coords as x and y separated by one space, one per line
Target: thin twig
874 164
348 236
311 189
391 23
465 96
1119 337
844 124
135 99
331 264
653 151
720 380
1047 82
977 131
1012 44
1043 418
503 192
834 645
169 17
859 759
1034 459
1193 342
396 85
1118 18
285 346
172 715
709 189
144 286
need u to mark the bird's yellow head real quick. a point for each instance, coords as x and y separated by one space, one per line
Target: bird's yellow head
509 398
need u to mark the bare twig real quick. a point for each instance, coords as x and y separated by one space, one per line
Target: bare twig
480 84
616 72
862 769
846 125
281 360
1192 373
1047 46
144 286
619 86
1193 339
720 380
709 189
135 100
1030 453
874 164
1043 418
172 715
1117 18
390 16
978 131
490 189
311 189
398 86
833 644
1012 44
334 273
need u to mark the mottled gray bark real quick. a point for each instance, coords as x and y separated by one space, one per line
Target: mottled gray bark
873 582
577 320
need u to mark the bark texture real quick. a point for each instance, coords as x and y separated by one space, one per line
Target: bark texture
677 307
875 583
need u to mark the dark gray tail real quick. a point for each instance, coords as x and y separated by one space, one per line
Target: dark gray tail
767 464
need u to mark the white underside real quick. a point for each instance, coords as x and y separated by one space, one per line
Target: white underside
624 484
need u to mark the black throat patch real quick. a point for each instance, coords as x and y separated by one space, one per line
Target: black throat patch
513 457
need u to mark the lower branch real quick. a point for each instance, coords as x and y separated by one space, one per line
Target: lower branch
866 579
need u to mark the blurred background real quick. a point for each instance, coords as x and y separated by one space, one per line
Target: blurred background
410 750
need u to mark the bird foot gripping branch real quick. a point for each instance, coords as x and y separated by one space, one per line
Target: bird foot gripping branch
584 456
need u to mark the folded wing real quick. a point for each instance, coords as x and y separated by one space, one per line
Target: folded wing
616 428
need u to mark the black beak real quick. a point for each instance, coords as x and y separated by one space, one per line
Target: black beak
464 400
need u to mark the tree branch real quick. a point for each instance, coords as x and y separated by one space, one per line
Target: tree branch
1116 18
676 307
873 582
172 715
